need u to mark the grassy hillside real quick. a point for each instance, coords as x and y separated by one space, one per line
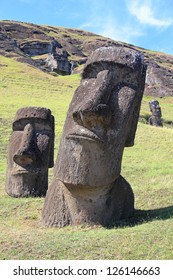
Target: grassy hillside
148 166
32 43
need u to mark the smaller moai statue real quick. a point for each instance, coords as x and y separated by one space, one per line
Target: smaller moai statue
30 152
155 109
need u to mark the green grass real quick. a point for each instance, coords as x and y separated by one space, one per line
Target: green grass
148 166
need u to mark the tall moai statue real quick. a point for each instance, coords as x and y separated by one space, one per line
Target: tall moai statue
155 109
30 152
87 187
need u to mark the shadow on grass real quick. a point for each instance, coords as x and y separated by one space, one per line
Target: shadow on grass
144 216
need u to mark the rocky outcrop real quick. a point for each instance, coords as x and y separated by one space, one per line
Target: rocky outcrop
57 61
159 80
65 51
7 44
25 43
36 48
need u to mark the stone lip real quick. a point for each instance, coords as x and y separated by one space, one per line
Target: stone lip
92 137
84 133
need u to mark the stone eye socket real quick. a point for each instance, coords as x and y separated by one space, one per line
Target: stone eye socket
92 70
43 141
20 125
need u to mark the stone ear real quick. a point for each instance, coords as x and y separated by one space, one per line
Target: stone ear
135 115
51 159
133 126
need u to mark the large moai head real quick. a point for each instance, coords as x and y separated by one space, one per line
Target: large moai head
30 152
102 117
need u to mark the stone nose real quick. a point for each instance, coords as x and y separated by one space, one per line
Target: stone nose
99 116
26 154
94 111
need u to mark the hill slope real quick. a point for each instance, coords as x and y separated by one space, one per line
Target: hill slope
65 51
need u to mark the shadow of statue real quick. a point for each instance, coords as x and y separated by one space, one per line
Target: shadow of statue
144 216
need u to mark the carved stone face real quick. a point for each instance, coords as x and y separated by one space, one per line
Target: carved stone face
30 152
102 118
155 108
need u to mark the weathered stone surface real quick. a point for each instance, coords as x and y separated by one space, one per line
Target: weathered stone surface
57 58
7 44
36 48
57 61
159 79
101 120
30 153
155 109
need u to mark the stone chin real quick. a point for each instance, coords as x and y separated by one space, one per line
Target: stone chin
86 163
21 184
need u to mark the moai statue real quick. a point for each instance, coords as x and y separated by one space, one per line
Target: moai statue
87 187
155 109
30 153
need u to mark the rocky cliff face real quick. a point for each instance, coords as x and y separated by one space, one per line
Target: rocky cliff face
65 51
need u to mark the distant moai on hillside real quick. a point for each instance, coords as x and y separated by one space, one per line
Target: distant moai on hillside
155 109
30 152
102 119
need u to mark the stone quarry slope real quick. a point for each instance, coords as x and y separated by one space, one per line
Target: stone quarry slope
65 51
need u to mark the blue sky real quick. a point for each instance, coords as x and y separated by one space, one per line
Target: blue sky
144 23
